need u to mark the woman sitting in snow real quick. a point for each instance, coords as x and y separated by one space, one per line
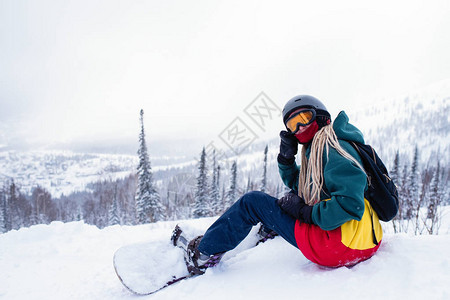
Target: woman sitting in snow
325 215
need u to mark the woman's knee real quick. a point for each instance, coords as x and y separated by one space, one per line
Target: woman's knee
255 198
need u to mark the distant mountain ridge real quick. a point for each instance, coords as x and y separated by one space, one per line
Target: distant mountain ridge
399 124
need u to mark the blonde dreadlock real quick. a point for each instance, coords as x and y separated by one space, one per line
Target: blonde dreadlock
311 172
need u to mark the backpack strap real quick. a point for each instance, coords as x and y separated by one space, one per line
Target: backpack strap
374 237
369 178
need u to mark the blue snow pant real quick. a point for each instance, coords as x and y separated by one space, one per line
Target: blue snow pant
236 223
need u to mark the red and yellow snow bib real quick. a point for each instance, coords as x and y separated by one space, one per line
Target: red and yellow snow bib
344 246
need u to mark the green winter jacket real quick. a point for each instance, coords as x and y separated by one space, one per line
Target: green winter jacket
344 182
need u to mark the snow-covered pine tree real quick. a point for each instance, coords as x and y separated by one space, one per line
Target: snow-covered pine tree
223 197
435 200
219 197
414 178
411 181
12 207
264 176
249 186
232 192
113 213
404 211
413 186
2 211
79 216
148 201
215 195
395 173
202 206
395 176
444 185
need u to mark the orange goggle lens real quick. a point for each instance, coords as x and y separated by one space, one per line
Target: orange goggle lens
302 118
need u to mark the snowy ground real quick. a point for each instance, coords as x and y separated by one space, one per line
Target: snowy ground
74 261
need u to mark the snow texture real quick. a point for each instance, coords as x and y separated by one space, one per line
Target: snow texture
74 261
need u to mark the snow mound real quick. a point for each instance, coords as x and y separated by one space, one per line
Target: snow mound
74 261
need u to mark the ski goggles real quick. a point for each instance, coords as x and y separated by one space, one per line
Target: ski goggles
303 117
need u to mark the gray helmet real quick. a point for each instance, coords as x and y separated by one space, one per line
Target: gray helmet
305 101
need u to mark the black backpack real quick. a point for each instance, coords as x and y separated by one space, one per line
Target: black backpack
382 192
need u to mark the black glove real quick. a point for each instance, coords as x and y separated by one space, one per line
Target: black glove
296 207
288 148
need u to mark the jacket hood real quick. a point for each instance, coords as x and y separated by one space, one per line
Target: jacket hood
346 131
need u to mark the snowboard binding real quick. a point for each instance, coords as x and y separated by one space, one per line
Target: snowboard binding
265 234
196 262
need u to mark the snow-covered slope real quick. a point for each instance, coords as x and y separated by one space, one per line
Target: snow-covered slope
65 172
74 261
62 172
420 118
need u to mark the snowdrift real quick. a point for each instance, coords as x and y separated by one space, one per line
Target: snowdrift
74 261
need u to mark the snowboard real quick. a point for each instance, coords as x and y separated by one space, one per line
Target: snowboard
146 268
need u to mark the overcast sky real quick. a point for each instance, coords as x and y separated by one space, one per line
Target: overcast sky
75 71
